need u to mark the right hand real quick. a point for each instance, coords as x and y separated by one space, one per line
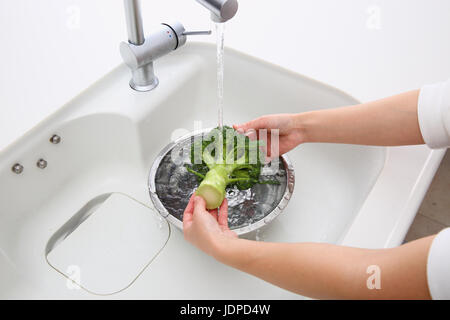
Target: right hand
289 135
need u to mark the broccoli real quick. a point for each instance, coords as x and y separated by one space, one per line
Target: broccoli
225 158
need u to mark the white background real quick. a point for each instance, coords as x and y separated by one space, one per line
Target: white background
53 49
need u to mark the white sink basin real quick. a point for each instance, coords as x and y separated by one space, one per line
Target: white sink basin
111 135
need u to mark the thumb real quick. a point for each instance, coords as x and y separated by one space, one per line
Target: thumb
199 205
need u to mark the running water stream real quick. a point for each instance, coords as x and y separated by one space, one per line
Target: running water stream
220 34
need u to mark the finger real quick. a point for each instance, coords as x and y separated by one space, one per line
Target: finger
253 124
252 134
274 144
265 146
214 213
223 214
238 128
268 147
187 215
190 205
199 205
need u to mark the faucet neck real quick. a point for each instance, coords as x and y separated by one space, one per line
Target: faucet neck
134 22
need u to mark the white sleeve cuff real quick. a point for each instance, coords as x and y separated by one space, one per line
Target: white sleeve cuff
438 266
434 114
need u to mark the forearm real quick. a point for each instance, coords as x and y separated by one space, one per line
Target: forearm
332 272
391 121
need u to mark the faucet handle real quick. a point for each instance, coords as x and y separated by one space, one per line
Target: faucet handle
197 33
181 33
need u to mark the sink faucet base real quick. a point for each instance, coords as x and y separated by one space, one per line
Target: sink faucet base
145 88
144 79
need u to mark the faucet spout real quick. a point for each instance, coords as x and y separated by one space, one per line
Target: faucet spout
221 10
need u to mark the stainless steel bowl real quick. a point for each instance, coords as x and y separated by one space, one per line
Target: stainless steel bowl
170 187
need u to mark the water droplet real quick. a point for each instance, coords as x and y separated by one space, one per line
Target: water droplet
258 235
160 222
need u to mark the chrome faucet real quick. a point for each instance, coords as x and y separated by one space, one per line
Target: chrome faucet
221 10
140 52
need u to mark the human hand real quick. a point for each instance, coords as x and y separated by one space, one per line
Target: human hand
206 229
290 134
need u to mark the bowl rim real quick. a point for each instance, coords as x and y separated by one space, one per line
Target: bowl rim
290 183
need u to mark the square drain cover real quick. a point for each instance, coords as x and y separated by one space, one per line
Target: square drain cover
108 244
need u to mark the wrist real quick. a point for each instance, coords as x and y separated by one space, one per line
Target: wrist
238 253
225 249
305 123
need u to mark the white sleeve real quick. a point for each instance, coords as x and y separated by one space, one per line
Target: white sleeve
438 266
434 114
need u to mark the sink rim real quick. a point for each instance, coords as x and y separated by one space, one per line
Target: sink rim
381 222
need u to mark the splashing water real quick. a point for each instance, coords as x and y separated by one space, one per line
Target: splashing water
220 33
160 222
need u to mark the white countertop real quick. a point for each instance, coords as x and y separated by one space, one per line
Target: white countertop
52 50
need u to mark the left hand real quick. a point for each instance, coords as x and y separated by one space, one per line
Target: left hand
206 229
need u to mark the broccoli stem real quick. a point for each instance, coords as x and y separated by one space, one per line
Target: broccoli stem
198 174
242 179
235 160
212 188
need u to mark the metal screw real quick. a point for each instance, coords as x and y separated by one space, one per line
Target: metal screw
42 164
17 168
55 139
